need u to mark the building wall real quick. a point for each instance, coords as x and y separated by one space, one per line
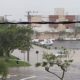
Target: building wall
53 35
47 35
70 18
36 18
61 27
77 18
53 18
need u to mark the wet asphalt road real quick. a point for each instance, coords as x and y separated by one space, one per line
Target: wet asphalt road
32 73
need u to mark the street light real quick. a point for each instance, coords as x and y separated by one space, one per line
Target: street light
37 52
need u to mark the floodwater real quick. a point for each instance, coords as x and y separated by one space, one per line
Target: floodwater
67 44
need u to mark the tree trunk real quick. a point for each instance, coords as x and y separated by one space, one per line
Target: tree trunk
28 56
7 53
63 75
54 74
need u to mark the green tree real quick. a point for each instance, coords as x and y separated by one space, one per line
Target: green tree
27 43
14 37
61 61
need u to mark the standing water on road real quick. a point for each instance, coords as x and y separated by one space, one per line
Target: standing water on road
67 44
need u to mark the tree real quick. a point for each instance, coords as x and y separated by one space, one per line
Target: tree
61 61
27 43
14 37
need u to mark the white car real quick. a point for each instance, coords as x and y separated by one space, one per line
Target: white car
35 40
46 42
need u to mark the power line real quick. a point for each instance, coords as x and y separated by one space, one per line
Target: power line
43 22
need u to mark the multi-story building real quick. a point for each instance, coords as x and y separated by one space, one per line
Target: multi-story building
70 18
36 18
54 30
61 16
61 27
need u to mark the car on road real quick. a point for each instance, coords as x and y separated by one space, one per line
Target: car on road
46 42
35 40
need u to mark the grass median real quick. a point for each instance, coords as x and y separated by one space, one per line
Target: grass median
13 61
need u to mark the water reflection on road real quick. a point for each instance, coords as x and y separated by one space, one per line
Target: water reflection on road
32 73
67 44
39 73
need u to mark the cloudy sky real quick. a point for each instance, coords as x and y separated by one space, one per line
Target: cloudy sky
17 9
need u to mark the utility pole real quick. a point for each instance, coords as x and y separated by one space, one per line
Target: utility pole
29 16
29 25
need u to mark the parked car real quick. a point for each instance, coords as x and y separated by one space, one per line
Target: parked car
35 40
47 42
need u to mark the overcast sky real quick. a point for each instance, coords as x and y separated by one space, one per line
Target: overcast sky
18 8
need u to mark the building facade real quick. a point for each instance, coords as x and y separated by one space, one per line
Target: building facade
36 18
61 27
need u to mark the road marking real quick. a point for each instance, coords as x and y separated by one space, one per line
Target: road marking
9 76
28 78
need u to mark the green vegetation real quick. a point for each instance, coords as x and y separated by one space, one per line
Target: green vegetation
3 69
62 62
15 63
13 37
11 62
13 57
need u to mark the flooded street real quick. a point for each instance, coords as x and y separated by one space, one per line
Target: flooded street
67 44
33 73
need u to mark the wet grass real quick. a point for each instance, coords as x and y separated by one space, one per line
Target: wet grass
13 61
